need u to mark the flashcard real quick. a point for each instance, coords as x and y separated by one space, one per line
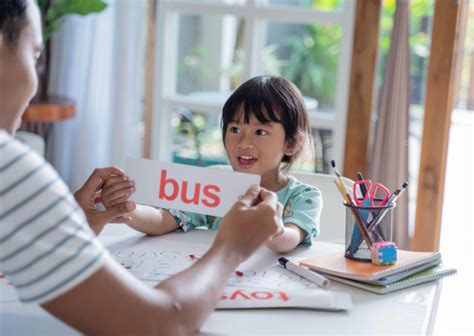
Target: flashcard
195 189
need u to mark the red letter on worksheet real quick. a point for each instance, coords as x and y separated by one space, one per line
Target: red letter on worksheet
213 196
283 296
163 183
262 295
241 293
195 198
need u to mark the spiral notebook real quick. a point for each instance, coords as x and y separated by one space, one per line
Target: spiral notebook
408 263
431 274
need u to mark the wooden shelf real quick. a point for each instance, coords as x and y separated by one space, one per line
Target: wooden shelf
50 110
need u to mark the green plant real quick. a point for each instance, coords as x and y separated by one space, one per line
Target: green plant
193 67
271 64
54 12
421 12
313 61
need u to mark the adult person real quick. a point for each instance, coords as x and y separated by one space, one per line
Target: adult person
50 254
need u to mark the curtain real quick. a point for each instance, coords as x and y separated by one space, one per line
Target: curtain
388 163
98 61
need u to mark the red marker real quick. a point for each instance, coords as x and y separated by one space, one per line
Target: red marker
194 258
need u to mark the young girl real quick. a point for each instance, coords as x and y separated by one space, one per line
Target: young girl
265 128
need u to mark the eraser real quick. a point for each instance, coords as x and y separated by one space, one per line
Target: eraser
383 253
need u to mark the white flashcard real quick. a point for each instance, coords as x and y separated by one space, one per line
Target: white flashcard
195 189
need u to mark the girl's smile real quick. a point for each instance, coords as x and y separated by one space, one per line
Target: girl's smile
246 161
257 148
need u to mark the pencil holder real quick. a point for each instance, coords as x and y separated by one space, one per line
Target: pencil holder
377 221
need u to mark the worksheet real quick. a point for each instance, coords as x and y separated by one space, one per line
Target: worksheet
152 261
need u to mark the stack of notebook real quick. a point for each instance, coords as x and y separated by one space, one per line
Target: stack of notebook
411 268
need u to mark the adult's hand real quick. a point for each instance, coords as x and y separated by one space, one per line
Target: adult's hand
254 218
89 195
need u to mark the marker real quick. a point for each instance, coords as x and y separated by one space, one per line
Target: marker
362 187
195 258
304 272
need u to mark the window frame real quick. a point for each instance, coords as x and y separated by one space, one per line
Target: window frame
255 13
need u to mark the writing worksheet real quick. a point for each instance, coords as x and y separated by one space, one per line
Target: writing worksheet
153 261
258 283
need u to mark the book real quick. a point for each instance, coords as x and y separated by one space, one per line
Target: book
401 275
430 274
408 262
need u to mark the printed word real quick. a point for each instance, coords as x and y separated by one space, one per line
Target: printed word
240 294
210 192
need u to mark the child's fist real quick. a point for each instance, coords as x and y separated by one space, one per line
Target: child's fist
116 190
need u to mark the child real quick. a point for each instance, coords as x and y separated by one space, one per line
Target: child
265 128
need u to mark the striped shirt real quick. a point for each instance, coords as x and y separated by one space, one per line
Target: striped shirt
46 245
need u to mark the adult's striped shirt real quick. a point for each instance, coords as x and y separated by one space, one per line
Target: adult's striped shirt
46 245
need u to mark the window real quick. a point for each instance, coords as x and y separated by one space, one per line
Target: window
206 49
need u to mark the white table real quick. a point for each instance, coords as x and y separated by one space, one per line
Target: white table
411 311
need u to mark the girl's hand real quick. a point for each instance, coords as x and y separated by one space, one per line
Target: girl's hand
116 190
89 195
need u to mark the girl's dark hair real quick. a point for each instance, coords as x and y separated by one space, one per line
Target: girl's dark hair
274 99
12 19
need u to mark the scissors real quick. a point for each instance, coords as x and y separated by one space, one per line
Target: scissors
379 193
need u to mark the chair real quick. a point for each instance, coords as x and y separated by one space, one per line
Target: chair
333 216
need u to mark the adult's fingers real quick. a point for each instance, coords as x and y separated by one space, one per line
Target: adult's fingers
117 211
118 188
250 196
113 202
280 210
269 198
108 171
98 176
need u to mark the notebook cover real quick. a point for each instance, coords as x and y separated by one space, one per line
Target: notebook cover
401 275
422 277
336 264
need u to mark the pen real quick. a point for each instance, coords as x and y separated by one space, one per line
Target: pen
392 198
363 189
304 272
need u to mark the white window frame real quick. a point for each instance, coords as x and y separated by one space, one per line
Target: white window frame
255 13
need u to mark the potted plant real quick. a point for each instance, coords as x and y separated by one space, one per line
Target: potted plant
53 13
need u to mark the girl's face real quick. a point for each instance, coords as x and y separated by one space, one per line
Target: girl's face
256 148
18 80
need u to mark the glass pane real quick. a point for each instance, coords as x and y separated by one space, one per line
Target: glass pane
466 86
318 158
326 5
206 57
306 54
197 138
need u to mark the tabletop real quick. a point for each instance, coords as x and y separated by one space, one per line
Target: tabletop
408 311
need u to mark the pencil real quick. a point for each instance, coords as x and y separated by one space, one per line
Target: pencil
348 199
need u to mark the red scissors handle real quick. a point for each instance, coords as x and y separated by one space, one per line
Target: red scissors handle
378 192
368 185
386 193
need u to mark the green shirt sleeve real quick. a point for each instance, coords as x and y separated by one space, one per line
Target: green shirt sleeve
303 208
186 220
190 220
